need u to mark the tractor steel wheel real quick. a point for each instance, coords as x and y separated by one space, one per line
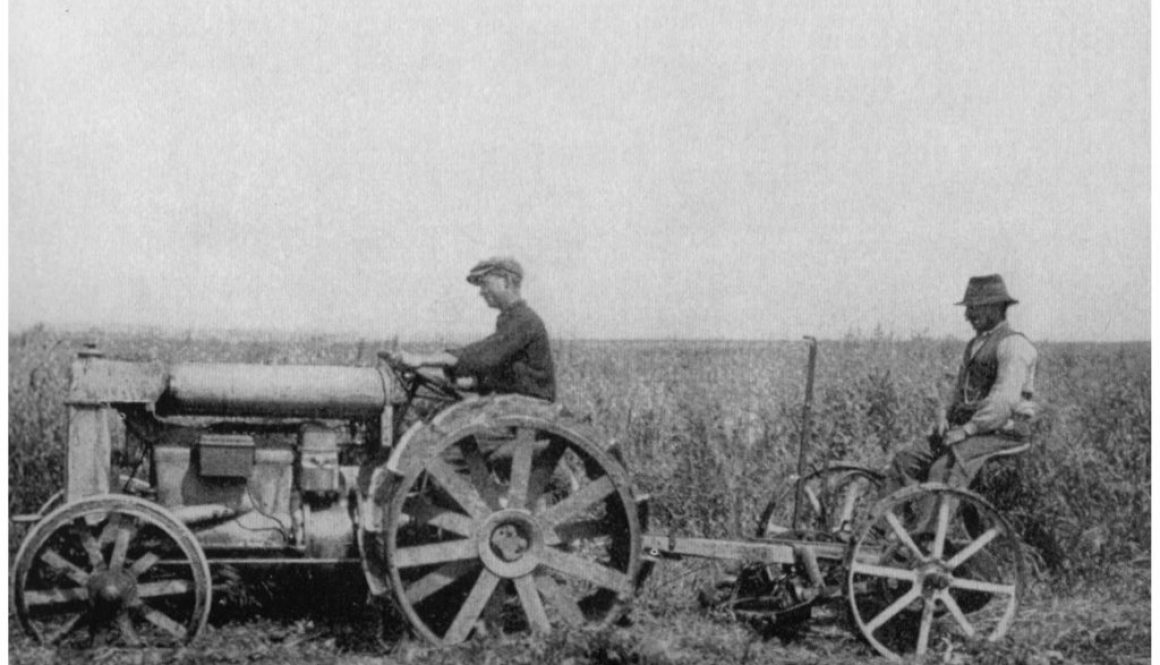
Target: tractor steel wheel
514 520
111 569
918 578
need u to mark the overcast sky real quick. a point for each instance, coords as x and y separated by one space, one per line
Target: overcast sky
684 169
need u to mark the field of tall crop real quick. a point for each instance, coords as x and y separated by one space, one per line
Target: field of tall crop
711 431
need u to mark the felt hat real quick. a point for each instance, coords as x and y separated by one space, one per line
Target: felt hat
986 290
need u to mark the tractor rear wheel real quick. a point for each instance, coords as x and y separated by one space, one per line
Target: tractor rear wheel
507 516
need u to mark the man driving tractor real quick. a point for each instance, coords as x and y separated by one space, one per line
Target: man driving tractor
516 358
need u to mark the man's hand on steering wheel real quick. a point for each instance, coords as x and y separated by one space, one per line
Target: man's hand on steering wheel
407 369
400 359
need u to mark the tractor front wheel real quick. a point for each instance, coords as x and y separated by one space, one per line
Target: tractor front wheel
111 569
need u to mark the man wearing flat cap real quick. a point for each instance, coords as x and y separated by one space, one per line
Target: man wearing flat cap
993 403
517 357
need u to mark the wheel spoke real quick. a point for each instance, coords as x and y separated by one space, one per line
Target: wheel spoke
885 571
581 530
128 633
900 531
55 596
952 606
437 580
521 470
63 565
143 563
532 604
985 587
480 476
591 571
894 608
924 627
423 511
109 533
811 495
459 488
852 491
472 607
578 501
163 622
973 548
164 588
940 533
120 548
442 552
92 547
66 630
560 599
543 467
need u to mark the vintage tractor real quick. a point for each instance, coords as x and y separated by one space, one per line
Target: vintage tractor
477 514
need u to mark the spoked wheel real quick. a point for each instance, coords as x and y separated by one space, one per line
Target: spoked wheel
779 598
833 499
917 578
514 520
111 570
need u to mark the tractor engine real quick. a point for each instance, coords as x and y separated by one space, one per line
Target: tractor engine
251 457
261 485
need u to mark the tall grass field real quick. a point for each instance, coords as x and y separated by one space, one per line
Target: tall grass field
710 430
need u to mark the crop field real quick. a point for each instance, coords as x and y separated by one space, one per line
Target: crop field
710 430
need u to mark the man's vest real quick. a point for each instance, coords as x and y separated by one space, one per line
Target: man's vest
976 377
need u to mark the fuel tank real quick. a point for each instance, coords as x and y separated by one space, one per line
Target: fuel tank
275 390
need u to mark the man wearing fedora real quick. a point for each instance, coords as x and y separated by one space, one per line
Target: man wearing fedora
993 403
517 357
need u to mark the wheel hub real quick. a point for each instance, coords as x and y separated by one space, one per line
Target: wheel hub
111 589
934 577
509 541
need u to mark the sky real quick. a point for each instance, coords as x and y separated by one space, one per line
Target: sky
744 170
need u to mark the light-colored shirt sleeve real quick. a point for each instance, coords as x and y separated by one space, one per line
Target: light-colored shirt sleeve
1013 388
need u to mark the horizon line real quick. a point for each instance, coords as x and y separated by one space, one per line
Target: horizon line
252 333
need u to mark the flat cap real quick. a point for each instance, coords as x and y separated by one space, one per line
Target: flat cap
496 264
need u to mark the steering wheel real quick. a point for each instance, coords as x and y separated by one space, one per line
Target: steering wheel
418 383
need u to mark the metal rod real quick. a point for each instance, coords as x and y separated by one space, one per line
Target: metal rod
803 447
243 561
263 561
772 550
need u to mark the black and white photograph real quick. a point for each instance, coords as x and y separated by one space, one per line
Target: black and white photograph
579 332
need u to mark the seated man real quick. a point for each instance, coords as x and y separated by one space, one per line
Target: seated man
517 357
992 406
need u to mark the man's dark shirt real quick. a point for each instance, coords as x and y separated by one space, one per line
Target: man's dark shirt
516 358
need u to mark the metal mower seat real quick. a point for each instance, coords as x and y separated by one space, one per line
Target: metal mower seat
999 456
